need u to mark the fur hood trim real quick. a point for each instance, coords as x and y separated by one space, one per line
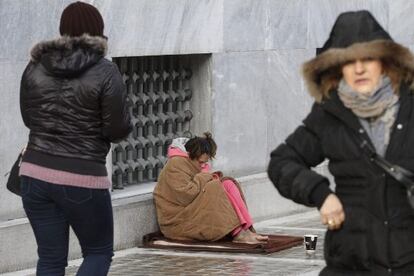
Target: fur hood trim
313 70
94 43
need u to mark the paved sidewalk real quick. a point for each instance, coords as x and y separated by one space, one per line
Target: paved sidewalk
294 261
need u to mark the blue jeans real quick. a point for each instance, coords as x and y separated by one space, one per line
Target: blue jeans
52 208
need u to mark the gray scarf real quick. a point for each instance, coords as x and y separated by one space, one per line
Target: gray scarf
376 111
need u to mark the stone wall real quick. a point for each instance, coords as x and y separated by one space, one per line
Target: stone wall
256 96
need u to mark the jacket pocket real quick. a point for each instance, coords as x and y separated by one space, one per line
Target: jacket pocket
347 248
401 241
77 195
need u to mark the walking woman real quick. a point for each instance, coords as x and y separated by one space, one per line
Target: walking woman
362 82
73 100
195 204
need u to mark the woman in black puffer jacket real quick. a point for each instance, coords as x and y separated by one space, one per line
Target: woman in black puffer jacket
362 82
74 102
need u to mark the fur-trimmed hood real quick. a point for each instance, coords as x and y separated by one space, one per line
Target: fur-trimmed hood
356 35
69 55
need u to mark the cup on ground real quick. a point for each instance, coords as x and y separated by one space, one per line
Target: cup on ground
309 240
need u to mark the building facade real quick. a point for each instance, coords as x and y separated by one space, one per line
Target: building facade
231 67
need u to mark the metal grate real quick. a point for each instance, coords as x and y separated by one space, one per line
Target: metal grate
159 103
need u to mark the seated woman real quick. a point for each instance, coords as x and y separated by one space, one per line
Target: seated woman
194 204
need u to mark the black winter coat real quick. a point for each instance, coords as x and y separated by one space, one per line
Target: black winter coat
73 100
377 236
378 232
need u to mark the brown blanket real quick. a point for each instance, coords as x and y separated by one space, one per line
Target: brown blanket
192 205
275 243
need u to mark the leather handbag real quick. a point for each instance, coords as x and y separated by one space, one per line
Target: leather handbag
13 180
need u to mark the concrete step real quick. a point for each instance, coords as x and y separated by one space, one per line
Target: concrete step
292 261
134 216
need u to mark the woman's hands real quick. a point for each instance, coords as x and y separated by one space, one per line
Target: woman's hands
332 212
217 175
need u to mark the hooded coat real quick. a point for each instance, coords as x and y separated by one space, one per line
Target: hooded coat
377 236
190 203
74 102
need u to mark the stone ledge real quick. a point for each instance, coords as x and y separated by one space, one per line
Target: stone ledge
134 216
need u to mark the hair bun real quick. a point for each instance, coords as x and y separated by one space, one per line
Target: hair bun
208 135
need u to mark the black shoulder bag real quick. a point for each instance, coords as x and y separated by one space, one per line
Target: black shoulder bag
13 181
400 174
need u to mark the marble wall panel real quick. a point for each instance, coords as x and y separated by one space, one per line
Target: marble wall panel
322 15
160 27
401 21
134 28
239 115
268 24
24 23
245 25
287 99
287 24
258 99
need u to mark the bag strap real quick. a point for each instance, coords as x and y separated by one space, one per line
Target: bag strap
400 174
20 158
22 153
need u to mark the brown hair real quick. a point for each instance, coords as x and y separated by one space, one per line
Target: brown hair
329 79
197 146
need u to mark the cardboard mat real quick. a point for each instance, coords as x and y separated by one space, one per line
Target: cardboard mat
274 244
